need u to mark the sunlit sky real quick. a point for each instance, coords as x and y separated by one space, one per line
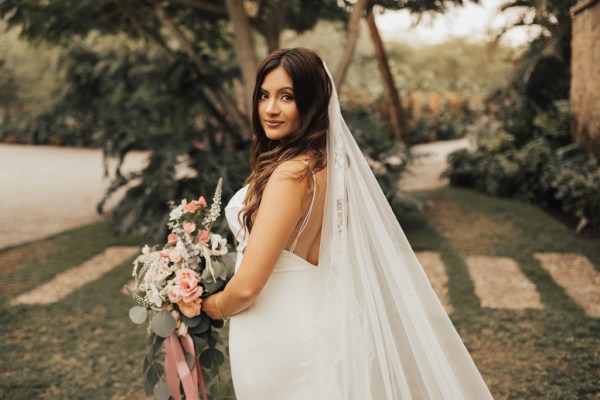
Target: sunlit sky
475 21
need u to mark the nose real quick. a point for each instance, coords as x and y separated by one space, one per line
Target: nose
272 107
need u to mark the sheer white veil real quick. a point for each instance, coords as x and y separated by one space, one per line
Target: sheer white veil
383 333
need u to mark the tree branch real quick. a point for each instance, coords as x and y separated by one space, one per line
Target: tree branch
353 31
151 36
188 47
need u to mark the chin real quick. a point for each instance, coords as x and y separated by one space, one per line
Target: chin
275 135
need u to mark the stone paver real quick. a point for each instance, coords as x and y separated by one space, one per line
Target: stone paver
499 283
68 281
436 272
577 275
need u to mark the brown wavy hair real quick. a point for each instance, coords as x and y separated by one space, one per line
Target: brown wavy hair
312 91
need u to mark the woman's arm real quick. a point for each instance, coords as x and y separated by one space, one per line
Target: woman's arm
280 209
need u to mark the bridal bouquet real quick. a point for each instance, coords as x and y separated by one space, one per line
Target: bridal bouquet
170 283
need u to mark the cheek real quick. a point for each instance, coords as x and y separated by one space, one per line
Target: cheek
260 107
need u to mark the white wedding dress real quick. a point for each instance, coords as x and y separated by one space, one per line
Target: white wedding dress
272 342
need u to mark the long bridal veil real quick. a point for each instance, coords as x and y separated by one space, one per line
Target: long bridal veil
383 333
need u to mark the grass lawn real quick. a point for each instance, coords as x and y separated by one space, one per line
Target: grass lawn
553 353
85 347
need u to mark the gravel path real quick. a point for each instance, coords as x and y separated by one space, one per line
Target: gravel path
424 174
45 190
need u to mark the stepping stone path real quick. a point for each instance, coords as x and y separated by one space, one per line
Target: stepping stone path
576 274
499 283
436 272
68 281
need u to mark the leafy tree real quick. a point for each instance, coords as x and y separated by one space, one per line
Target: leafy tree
160 75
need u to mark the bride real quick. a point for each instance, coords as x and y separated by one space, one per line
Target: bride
328 300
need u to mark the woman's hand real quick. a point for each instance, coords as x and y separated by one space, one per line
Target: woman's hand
209 306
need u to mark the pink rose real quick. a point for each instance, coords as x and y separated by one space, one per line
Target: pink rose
190 309
177 253
189 227
186 286
171 238
203 236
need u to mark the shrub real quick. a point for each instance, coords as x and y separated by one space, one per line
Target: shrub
545 170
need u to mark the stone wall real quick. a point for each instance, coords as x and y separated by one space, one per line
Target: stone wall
585 83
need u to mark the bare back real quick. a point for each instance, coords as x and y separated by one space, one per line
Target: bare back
306 237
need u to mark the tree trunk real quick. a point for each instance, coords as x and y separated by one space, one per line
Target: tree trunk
228 103
397 118
353 31
270 21
245 50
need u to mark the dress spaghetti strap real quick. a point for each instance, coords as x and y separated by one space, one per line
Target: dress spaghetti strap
308 213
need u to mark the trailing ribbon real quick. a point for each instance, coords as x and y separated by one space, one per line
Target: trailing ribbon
176 368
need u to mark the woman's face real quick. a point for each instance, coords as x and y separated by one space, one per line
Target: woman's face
277 109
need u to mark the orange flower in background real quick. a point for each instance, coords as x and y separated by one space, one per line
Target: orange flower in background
171 238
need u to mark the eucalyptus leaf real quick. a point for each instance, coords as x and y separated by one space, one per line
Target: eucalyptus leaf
151 338
157 344
229 260
150 379
208 356
148 386
212 341
163 324
221 390
190 360
146 365
213 286
161 390
220 269
206 277
191 322
217 323
202 327
138 314
199 341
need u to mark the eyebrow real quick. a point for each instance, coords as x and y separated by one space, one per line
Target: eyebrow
283 88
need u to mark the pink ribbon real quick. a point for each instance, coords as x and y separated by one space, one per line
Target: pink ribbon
176 368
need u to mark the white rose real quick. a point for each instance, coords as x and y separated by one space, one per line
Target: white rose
176 213
218 245
154 296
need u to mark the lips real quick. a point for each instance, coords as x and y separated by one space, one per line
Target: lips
273 123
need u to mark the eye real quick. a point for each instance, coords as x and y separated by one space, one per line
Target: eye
287 97
262 96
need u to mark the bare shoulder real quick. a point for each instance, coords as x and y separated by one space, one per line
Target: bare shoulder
289 169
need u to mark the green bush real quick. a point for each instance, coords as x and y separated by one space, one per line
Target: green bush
545 170
444 124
